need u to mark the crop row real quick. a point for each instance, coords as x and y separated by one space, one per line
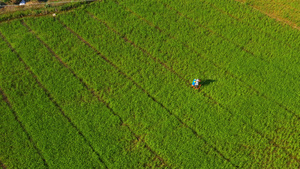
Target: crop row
283 11
260 74
14 137
246 35
84 54
255 19
247 15
57 141
261 45
245 66
95 121
163 84
136 31
149 42
139 111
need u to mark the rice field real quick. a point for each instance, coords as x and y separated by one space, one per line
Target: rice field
108 85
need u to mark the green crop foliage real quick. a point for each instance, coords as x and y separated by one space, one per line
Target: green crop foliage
258 102
92 118
138 118
168 87
88 113
109 85
252 69
15 149
55 138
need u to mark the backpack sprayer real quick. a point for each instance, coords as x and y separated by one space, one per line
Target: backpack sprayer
196 84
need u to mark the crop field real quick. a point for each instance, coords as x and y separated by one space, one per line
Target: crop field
108 85
286 11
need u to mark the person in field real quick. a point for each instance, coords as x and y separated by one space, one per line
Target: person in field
196 83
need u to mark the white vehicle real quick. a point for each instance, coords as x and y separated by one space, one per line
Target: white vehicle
22 2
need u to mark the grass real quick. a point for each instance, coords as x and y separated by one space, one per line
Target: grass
108 86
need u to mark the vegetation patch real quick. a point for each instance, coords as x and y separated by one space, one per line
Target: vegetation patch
108 85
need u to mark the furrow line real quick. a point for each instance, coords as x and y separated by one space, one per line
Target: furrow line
23 128
139 138
15 114
232 75
115 1
53 100
148 94
187 83
253 27
216 65
226 39
132 43
277 18
93 91
270 141
135 83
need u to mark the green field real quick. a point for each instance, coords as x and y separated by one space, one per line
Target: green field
108 85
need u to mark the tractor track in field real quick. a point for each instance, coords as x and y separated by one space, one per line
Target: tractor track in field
91 89
129 78
216 65
148 94
187 83
53 100
14 113
226 39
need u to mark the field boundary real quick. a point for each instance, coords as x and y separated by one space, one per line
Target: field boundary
87 87
59 2
205 95
39 12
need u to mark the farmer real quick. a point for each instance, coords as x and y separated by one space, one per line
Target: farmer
196 83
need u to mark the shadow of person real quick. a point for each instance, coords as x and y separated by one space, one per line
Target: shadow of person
206 82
